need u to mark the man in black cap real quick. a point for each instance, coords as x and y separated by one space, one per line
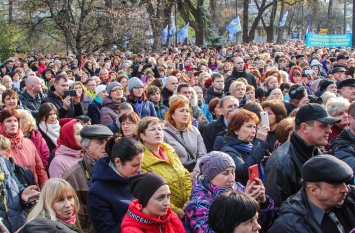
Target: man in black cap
342 59
283 170
298 98
137 68
338 73
94 139
324 203
347 89
299 58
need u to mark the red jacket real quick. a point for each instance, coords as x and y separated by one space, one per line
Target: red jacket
137 222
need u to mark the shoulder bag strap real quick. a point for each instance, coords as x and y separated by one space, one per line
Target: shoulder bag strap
178 139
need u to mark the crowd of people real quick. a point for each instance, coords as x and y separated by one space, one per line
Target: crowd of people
165 141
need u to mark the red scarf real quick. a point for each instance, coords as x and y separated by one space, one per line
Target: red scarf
66 136
16 140
70 220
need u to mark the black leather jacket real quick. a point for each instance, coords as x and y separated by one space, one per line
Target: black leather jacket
283 170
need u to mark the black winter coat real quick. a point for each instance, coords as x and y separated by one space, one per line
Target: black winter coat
30 104
296 216
283 169
235 75
211 131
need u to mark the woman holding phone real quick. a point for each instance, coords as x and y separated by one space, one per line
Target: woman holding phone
244 142
217 177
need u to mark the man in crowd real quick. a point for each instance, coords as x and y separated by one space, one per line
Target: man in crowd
239 72
324 203
169 89
338 73
298 98
347 89
68 107
342 59
216 90
32 97
283 170
211 130
94 139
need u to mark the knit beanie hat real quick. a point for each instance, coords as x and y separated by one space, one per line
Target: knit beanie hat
99 89
143 186
111 86
214 163
325 83
134 82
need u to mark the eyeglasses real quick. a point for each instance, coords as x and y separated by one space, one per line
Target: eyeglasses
300 88
117 89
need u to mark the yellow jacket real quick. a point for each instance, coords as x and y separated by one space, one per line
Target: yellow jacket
174 173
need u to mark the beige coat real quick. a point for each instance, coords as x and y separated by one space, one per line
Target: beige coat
192 139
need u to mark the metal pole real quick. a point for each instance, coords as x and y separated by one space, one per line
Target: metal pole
344 16
236 14
175 26
302 23
66 28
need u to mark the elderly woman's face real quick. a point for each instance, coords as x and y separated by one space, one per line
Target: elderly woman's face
239 92
64 206
225 179
77 127
181 115
247 132
10 101
332 88
128 128
153 135
343 116
11 125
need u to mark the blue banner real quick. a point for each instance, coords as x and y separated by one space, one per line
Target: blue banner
234 26
337 40
164 35
172 30
283 20
183 33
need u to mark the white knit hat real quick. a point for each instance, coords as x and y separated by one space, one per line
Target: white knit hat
99 89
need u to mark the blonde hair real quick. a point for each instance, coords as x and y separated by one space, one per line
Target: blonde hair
234 86
53 190
26 119
5 144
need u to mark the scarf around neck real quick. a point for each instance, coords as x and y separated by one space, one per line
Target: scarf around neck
51 130
242 146
16 140
70 220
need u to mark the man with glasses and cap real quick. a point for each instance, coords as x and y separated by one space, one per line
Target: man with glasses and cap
283 170
94 139
324 204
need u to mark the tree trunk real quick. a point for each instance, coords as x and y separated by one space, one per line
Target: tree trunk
245 20
270 29
329 23
11 7
254 26
281 29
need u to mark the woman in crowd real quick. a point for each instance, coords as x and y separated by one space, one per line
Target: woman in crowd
250 93
161 158
138 99
283 131
109 194
10 99
276 112
296 77
327 84
338 107
48 124
85 100
197 91
68 151
217 177
23 150
238 89
151 211
95 106
274 94
28 126
88 67
57 202
246 145
234 212
270 83
128 124
154 96
183 137
7 82
104 77
111 103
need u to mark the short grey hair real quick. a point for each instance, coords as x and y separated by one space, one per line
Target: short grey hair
85 142
336 105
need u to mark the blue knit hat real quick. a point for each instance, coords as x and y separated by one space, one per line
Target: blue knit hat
214 163
111 86
134 82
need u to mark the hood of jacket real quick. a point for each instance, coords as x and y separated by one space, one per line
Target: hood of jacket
102 171
211 91
108 102
203 188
